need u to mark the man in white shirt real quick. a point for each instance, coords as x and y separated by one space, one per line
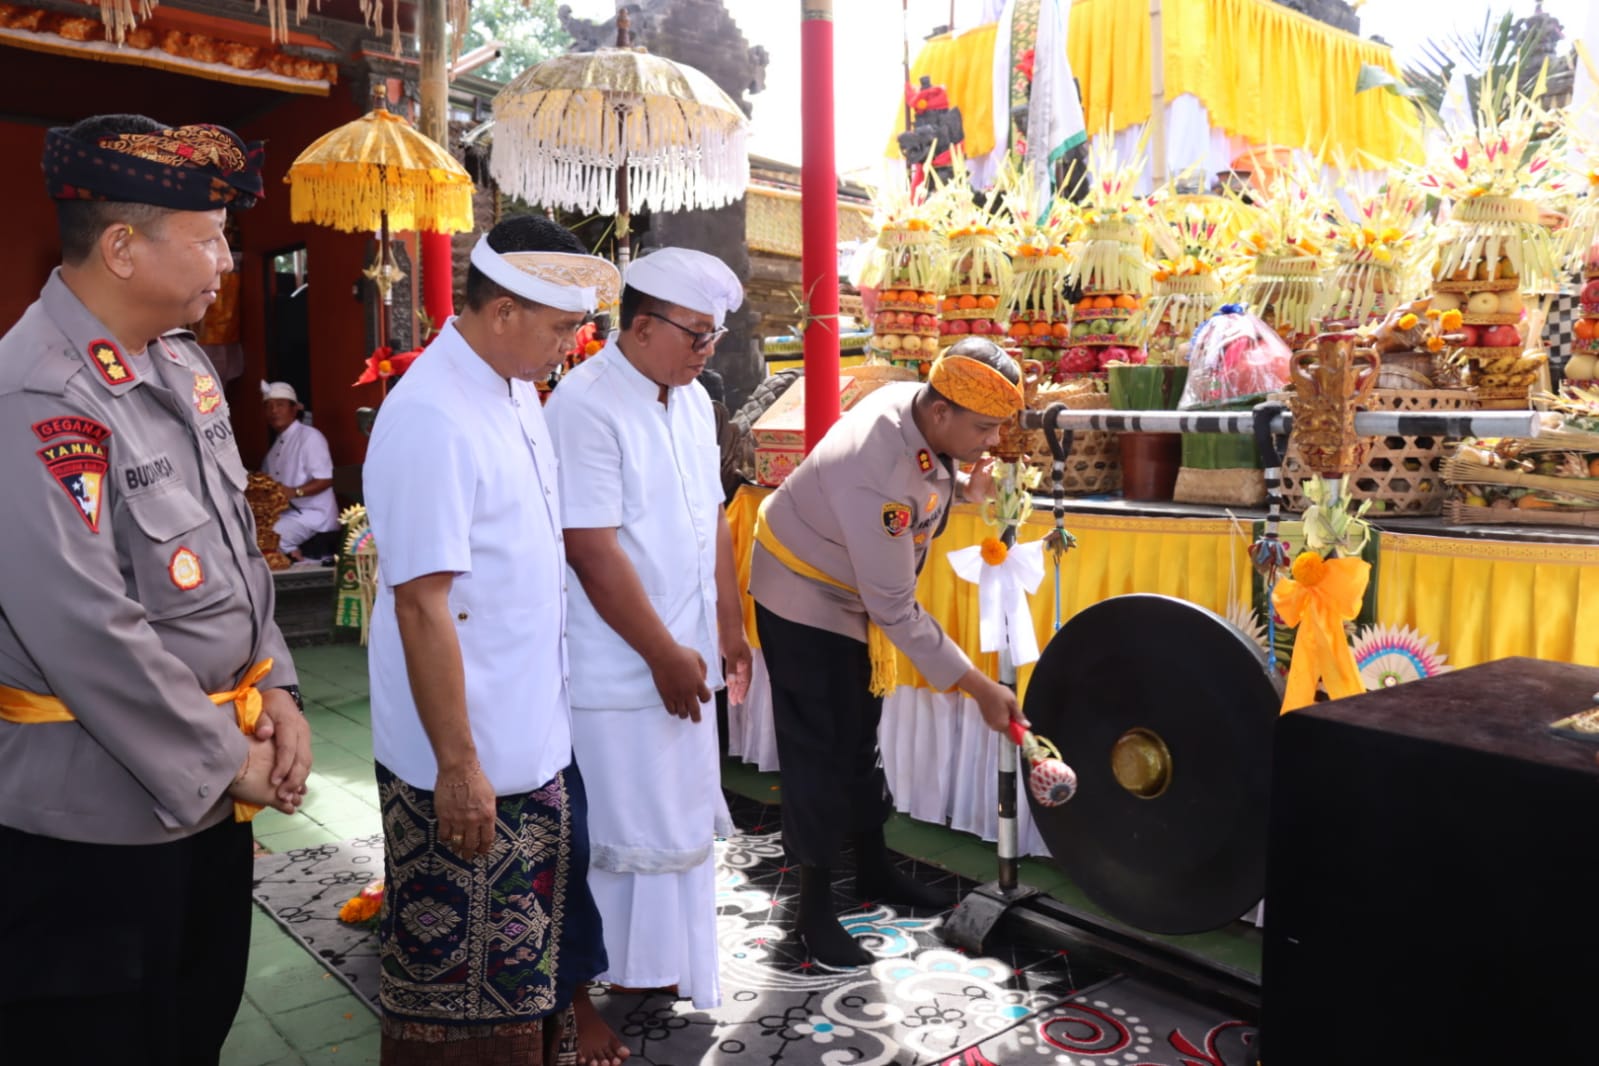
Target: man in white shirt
653 615
298 460
488 926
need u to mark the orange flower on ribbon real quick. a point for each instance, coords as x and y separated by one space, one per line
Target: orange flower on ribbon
1319 598
384 363
994 551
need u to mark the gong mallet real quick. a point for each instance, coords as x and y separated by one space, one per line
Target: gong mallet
1050 781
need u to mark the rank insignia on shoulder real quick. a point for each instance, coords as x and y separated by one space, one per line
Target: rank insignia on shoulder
896 519
79 468
108 360
924 460
206 394
185 570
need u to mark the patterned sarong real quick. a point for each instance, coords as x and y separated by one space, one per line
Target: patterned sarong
493 948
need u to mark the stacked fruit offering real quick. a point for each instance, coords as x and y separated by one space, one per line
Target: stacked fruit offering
1583 367
1040 314
979 273
1104 331
1488 296
906 325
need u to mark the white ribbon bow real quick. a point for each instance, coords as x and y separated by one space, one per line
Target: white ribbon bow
1004 618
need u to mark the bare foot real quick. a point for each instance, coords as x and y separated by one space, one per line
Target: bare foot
597 1044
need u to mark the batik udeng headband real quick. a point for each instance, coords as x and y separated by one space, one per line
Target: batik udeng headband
560 280
976 386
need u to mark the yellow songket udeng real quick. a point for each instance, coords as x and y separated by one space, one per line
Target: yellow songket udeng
976 386
1321 596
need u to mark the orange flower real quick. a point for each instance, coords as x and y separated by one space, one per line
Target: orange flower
994 551
360 909
1435 344
1451 321
1407 321
1309 568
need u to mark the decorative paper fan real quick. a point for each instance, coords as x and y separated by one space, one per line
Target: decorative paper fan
1391 655
1246 620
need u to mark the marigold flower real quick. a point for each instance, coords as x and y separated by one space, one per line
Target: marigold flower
1309 568
994 551
1407 321
1452 321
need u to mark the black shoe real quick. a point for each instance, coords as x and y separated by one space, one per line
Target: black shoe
877 878
817 924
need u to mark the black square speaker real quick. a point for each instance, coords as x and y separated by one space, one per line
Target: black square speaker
1432 886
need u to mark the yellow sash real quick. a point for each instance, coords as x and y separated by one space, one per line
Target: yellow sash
885 670
29 708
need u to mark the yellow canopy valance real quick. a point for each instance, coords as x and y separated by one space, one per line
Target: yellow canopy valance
1266 74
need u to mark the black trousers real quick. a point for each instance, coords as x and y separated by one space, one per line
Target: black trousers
826 720
126 954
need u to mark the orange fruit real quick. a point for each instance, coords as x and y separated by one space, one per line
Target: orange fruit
948 304
967 302
1039 329
1125 302
929 298
1061 330
1586 328
1102 302
986 302
1020 330
1085 304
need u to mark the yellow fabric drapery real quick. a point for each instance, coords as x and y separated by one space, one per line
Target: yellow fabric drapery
1266 74
964 65
1202 560
1483 600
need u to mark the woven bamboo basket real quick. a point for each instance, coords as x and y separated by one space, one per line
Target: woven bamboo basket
1401 475
1093 466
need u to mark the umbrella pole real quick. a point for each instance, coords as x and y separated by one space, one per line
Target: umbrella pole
624 220
385 292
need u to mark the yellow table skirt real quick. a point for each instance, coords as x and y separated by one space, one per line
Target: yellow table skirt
1203 560
1478 599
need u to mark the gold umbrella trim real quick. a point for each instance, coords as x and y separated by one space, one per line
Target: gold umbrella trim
558 140
350 176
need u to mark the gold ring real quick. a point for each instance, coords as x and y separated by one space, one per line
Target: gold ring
457 839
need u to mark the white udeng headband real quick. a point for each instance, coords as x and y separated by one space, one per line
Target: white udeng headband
561 280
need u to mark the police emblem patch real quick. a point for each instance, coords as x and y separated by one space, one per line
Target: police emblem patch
79 468
924 460
896 519
108 360
185 570
207 397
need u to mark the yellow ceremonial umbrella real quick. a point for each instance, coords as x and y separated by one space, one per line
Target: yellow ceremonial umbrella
375 174
608 131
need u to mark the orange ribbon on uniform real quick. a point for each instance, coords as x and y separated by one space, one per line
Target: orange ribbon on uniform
1319 598
31 708
246 700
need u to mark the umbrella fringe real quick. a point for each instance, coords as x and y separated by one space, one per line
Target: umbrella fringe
679 155
413 202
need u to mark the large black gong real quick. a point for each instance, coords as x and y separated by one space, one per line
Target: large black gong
1166 712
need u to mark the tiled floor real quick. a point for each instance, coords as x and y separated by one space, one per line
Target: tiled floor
295 1012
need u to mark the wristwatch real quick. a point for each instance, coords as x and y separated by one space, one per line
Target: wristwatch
299 490
294 693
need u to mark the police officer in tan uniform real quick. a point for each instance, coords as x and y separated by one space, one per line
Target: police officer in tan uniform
136 635
838 550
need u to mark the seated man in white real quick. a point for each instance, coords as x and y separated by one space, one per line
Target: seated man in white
298 460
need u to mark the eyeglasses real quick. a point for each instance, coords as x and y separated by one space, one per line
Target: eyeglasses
701 340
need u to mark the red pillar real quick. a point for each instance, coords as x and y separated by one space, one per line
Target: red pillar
438 281
819 187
